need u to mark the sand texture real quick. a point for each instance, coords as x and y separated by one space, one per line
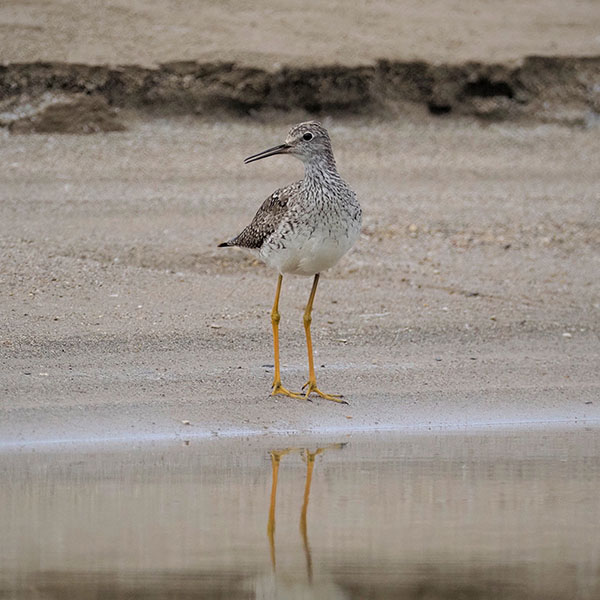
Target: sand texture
472 296
300 33
468 129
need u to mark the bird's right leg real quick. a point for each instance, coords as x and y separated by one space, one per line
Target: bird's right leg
275 318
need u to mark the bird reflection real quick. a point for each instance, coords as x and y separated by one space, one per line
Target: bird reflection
279 587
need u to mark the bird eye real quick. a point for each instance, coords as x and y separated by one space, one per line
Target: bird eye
307 136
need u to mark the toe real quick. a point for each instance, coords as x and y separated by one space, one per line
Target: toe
312 388
279 389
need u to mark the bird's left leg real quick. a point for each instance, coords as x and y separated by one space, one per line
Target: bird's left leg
275 318
311 384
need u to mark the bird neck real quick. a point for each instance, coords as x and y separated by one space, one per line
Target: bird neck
321 171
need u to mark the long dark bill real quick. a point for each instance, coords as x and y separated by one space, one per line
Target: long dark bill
281 149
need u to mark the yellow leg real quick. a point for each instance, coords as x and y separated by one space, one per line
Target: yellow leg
310 465
275 318
275 460
311 384
271 523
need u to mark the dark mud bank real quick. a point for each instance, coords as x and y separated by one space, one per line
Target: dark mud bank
547 89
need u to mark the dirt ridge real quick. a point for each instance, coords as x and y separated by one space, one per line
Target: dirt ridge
562 89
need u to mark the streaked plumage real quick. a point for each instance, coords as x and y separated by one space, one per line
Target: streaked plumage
306 227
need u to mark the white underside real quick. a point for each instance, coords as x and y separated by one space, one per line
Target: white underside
308 256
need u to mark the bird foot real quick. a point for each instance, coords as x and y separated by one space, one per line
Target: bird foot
279 389
311 386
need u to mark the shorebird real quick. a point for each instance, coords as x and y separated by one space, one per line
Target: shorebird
303 229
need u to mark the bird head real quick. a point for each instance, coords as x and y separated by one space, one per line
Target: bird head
307 141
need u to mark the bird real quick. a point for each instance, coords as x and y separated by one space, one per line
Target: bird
303 229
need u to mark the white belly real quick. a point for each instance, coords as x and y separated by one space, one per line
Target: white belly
308 255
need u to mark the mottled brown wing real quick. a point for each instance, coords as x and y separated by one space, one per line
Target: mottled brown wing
266 219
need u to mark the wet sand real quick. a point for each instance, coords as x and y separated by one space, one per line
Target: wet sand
471 299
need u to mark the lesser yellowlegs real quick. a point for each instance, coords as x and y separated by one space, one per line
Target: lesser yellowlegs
303 229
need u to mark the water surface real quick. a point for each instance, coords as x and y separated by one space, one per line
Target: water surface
512 514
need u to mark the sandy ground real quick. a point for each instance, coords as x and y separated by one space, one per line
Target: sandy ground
295 32
472 297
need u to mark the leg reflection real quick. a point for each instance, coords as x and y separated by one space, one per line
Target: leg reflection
275 460
309 457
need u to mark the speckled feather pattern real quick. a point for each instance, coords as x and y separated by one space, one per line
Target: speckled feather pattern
267 219
306 227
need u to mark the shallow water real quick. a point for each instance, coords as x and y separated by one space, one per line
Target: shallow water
443 515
